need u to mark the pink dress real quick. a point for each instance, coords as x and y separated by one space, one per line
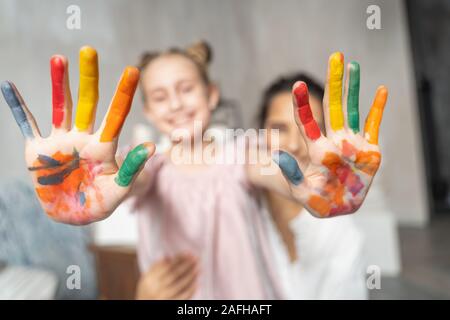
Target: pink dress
214 215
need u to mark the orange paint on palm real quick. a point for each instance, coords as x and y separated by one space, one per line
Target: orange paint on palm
320 205
333 162
368 161
330 186
64 180
121 104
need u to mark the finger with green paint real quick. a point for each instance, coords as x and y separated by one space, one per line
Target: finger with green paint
133 164
351 97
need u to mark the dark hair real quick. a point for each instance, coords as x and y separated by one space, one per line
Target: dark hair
285 84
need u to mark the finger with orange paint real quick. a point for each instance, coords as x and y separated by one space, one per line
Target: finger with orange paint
88 90
61 96
120 105
373 120
334 116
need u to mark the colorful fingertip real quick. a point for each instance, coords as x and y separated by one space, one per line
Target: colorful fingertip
312 130
16 104
57 68
121 104
88 89
375 116
288 166
353 97
133 161
336 65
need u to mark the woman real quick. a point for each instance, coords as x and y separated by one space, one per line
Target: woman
315 258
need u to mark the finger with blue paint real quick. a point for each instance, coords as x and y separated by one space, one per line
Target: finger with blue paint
288 166
23 116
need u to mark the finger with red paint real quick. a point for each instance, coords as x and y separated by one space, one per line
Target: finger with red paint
61 96
303 114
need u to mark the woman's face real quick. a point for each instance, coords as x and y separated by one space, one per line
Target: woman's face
280 115
176 95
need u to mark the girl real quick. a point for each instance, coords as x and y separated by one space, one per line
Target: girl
204 208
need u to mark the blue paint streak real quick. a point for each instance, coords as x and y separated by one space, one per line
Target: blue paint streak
48 160
288 166
58 178
82 197
16 105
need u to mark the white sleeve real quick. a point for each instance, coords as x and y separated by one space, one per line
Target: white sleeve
334 249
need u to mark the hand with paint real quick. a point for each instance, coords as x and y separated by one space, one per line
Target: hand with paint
344 161
74 169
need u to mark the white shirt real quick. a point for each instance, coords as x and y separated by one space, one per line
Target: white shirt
330 263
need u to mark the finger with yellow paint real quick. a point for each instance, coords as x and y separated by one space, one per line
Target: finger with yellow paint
88 90
334 116
375 115
120 105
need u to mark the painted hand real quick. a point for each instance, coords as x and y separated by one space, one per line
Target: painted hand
344 162
74 170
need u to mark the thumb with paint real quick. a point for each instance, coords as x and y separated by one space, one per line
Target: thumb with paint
133 164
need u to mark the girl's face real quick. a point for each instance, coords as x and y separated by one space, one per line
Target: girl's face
280 115
176 95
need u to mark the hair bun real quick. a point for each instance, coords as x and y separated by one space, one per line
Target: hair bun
200 52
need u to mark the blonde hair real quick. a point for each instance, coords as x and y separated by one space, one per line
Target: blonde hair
199 53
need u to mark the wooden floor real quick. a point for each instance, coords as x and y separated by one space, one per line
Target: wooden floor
425 256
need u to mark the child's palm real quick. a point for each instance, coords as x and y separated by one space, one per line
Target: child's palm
74 171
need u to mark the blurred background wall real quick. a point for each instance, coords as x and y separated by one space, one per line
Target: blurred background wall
254 41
